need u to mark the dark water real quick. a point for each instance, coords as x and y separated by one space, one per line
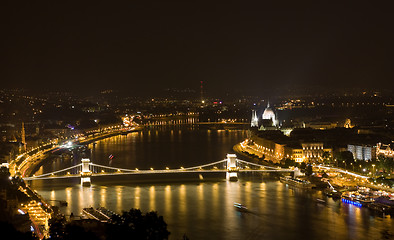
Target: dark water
204 210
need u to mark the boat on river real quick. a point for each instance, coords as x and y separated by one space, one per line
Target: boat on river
320 201
100 214
240 207
297 182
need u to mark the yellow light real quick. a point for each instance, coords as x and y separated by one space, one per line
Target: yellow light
151 169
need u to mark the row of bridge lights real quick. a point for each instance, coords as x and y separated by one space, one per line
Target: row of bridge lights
152 169
167 168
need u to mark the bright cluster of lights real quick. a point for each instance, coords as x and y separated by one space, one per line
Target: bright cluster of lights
127 121
352 202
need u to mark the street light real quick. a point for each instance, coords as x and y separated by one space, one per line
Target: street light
373 170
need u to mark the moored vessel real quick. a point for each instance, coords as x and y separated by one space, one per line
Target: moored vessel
297 182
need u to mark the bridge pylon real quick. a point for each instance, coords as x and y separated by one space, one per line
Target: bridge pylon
232 169
85 173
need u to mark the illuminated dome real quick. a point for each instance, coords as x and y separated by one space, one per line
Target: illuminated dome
269 114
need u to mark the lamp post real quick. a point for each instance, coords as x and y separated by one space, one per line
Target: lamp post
373 170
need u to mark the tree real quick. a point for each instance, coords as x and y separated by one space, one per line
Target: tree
289 162
8 231
59 230
308 170
130 225
326 157
4 177
140 226
345 158
303 166
387 164
56 227
75 232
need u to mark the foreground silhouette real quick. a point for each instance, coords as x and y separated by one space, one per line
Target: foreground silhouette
132 224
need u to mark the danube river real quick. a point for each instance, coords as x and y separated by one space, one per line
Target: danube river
204 209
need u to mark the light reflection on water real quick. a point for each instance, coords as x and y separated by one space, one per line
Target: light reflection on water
204 210
152 200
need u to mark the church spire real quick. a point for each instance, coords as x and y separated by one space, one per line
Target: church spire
255 119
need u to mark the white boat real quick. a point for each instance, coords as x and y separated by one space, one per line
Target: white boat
297 182
240 207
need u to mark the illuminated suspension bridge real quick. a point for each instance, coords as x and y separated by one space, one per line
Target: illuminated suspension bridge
231 166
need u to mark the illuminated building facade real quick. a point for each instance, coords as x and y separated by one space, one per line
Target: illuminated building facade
278 149
297 155
312 151
269 114
386 150
362 152
255 119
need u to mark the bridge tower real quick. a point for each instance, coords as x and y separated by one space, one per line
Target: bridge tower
85 173
232 169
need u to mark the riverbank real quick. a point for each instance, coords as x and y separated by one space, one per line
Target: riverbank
34 162
253 158
35 205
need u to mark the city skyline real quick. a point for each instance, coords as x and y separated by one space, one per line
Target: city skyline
200 120
145 48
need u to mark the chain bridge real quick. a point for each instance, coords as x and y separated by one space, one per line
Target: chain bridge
86 169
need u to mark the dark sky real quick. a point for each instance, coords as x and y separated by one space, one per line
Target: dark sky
141 46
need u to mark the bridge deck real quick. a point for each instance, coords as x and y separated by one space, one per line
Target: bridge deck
148 172
96 170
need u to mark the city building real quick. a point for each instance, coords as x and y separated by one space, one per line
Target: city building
269 114
362 152
298 155
275 146
314 151
267 121
255 119
386 150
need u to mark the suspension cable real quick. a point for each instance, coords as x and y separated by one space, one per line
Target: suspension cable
65 169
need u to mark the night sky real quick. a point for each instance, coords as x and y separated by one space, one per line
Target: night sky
143 47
